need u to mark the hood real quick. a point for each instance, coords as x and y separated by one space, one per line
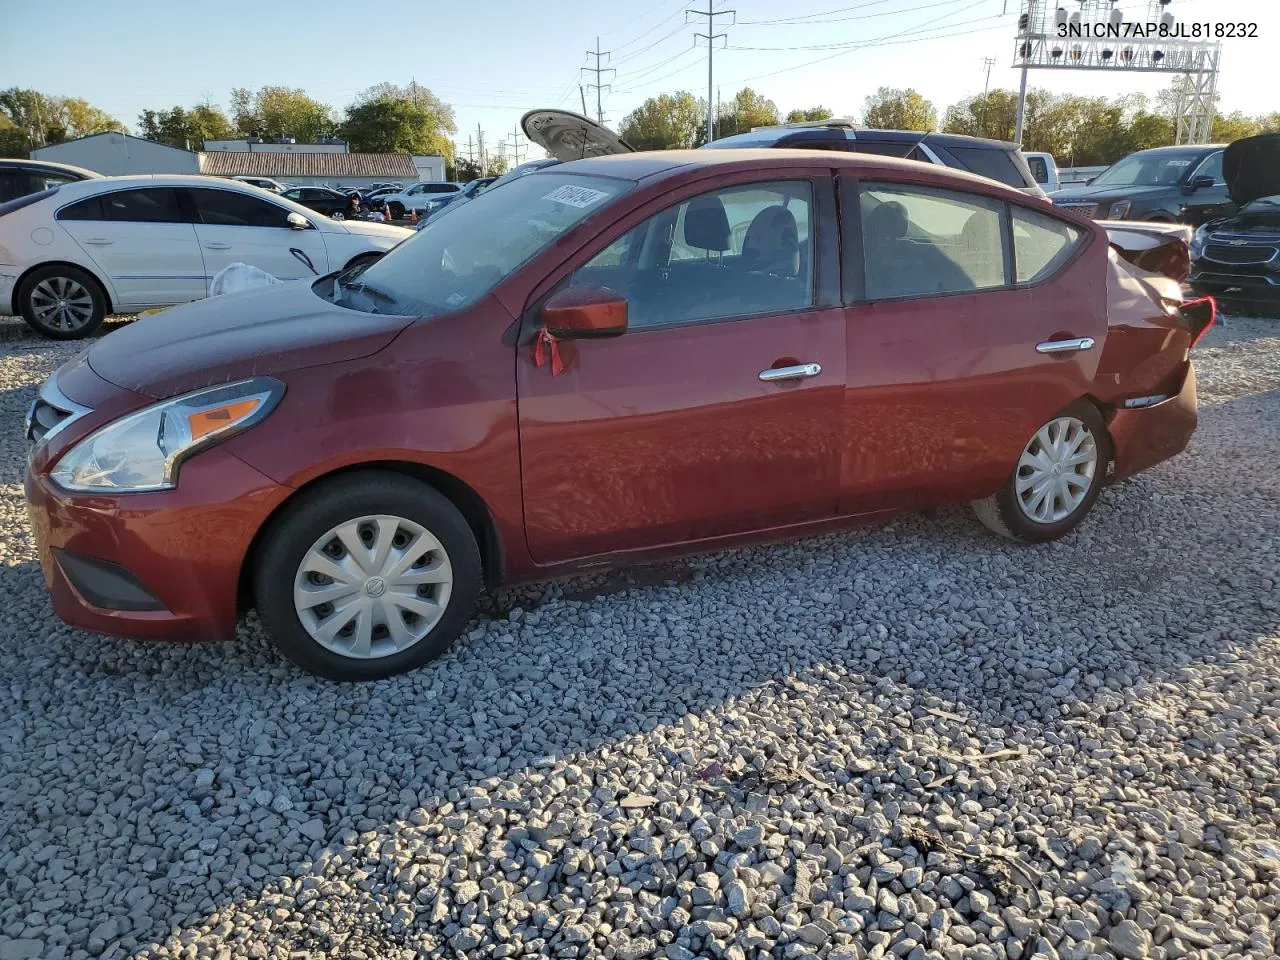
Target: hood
570 136
1251 168
271 330
1103 193
371 228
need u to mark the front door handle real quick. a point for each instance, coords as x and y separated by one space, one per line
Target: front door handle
99 241
798 372
1065 346
217 246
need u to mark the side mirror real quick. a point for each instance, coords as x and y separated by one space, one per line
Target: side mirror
1090 180
297 221
585 312
1198 183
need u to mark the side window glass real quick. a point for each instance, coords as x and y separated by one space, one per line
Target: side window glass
230 209
87 209
155 205
1039 169
1041 244
919 241
885 148
736 252
1211 167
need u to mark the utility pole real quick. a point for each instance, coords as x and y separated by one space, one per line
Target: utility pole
711 37
583 94
480 141
515 144
717 111
597 70
988 62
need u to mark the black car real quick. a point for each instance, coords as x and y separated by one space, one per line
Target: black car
1164 185
18 178
993 159
1237 257
320 199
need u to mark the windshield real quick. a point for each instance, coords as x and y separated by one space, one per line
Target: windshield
454 261
1147 170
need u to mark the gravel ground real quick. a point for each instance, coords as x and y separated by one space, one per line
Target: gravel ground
913 740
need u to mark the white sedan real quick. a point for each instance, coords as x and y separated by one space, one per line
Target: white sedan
72 254
420 197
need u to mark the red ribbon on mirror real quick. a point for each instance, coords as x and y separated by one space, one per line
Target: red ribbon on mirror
547 344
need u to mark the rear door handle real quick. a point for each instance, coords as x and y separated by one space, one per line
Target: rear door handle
1065 346
99 241
798 372
217 246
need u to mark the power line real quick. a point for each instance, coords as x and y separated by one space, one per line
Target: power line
794 22
652 80
657 26
926 27
667 36
711 36
598 70
635 74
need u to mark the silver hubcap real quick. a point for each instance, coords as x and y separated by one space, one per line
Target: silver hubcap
1056 470
61 303
372 586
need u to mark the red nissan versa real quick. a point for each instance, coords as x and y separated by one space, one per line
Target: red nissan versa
618 358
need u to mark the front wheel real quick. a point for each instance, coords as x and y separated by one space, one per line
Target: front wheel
1056 481
367 576
396 210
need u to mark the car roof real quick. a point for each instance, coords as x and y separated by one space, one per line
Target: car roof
1182 149
662 164
48 166
763 134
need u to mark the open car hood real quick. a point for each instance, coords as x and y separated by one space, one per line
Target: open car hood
570 136
1251 168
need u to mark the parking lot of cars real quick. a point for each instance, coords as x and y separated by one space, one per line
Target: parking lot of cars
910 736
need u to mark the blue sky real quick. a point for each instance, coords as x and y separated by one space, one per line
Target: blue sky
506 56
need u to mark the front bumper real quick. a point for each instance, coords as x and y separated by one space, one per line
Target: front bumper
161 566
1145 436
1229 285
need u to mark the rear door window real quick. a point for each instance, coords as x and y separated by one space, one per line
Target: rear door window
918 241
1041 244
992 163
885 148
150 205
231 209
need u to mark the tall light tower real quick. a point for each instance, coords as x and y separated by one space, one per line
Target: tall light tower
1094 35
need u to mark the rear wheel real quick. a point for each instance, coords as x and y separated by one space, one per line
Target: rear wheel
62 302
367 576
1056 480
396 209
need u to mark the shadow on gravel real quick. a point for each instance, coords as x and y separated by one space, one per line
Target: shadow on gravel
236 753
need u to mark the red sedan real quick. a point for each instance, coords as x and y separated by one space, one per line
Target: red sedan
612 359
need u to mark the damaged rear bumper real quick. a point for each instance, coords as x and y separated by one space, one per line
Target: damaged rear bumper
1144 436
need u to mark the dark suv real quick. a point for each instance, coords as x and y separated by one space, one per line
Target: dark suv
994 159
18 178
1164 185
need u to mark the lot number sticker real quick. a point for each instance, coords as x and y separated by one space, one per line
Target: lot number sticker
576 196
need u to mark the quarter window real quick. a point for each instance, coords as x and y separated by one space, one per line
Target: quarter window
89 208
919 242
1041 244
231 209
155 205
735 252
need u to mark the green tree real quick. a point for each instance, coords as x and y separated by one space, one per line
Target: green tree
390 119
277 111
1235 126
49 119
672 121
893 109
1148 130
809 114
14 141
187 129
744 112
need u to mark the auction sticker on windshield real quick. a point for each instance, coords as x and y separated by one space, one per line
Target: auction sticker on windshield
576 196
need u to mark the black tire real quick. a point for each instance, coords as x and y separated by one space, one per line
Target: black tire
33 301
396 210
1003 513
293 533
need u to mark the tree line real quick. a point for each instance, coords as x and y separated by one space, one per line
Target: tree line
1078 131
385 118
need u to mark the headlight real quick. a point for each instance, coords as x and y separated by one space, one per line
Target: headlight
1118 210
1197 242
143 450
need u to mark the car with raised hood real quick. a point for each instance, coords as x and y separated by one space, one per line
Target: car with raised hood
75 252
1162 185
611 360
1237 257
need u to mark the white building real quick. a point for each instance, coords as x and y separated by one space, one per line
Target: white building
118 154
303 164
